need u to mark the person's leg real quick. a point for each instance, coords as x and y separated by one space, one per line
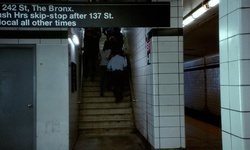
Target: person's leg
102 82
115 82
120 86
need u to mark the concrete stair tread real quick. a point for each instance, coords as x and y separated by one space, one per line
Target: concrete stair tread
106 125
102 116
105 105
109 121
104 99
106 111
95 118
97 94
107 132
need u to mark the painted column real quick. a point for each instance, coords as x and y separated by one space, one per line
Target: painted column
234 32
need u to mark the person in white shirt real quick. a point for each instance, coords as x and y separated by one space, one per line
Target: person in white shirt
116 66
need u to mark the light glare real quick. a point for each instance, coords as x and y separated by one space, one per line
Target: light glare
199 12
212 3
70 41
75 40
188 20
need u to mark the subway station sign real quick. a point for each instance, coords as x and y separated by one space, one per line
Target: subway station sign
85 15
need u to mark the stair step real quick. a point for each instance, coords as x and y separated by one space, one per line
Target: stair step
102 116
89 105
103 99
91 89
106 111
114 117
106 124
96 94
107 132
90 84
106 94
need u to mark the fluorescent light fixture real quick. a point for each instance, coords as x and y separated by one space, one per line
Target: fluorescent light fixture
75 40
199 12
212 3
188 20
70 41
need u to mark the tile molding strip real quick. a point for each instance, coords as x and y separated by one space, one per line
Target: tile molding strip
165 32
23 34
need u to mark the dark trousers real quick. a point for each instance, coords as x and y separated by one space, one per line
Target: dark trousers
117 82
89 64
104 79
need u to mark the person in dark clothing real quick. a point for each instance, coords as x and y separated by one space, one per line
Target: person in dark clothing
91 49
108 32
119 36
116 66
104 56
114 32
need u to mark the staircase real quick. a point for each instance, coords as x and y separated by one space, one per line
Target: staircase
102 116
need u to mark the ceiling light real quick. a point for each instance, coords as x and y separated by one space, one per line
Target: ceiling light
70 41
199 12
188 20
212 3
75 40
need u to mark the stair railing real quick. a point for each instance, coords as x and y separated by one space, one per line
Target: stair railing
131 88
130 80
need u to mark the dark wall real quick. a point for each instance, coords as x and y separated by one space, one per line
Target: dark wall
202 88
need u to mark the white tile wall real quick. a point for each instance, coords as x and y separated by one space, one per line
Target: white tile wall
168 68
158 85
170 142
49 51
51 41
169 111
9 41
226 122
233 48
169 89
239 98
29 41
232 5
244 46
224 90
223 51
224 74
169 80
244 72
171 121
244 20
238 47
244 96
227 141
223 28
238 143
245 3
235 71
223 8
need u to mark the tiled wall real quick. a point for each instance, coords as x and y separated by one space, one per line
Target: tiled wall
234 20
52 91
201 95
168 92
194 89
158 87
